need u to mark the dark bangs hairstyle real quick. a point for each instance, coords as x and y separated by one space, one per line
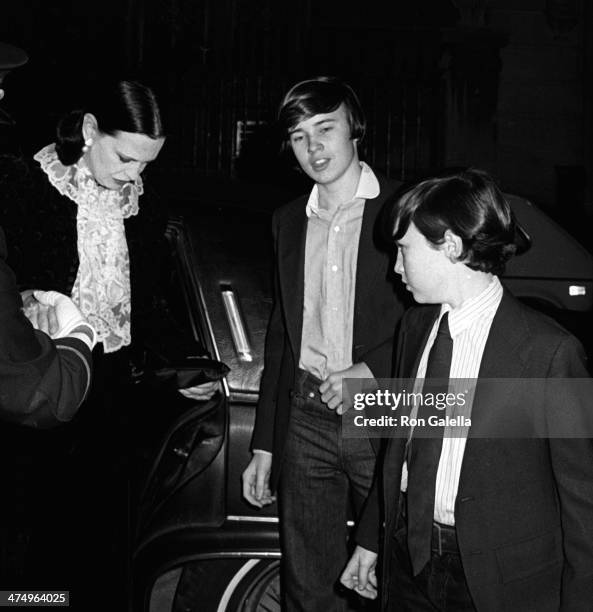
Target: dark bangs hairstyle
470 205
127 106
321 95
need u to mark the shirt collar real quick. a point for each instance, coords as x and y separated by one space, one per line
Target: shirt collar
482 306
367 189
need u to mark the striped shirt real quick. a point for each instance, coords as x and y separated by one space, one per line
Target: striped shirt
469 325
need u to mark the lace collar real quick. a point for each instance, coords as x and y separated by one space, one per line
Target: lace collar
75 181
102 286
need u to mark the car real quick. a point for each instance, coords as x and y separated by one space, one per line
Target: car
194 527
200 546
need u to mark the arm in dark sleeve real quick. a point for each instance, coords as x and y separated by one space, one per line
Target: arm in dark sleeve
64 384
263 433
368 529
572 462
380 358
42 382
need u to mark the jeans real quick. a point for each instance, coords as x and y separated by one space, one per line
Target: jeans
322 472
439 587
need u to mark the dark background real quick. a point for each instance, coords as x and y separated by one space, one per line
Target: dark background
505 85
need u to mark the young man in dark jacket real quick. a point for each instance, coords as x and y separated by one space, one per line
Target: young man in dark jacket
499 517
334 316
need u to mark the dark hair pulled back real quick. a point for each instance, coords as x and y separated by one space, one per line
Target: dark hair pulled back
128 106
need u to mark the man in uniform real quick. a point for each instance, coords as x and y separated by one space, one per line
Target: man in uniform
43 379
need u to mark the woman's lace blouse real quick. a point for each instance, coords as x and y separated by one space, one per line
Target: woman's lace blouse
102 286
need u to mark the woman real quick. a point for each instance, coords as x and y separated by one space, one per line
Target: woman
96 162
98 166
65 218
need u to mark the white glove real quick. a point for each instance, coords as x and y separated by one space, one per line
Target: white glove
69 317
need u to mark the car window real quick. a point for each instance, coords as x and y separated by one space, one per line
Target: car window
172 334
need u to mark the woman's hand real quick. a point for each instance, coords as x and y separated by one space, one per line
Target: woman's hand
200 392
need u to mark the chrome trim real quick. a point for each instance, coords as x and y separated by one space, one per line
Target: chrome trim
252 519
263 519
236 324
255 554
232 585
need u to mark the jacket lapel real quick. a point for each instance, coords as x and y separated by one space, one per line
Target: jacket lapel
366 273
411 343
413 340
507 333
291 262
502 358
370 262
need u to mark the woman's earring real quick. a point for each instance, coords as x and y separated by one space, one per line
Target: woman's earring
87 145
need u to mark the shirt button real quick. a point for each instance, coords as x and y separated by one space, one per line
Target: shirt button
337 228
334 268
311 394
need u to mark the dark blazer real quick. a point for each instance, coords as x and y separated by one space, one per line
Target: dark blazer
524 508
376 312
42 382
